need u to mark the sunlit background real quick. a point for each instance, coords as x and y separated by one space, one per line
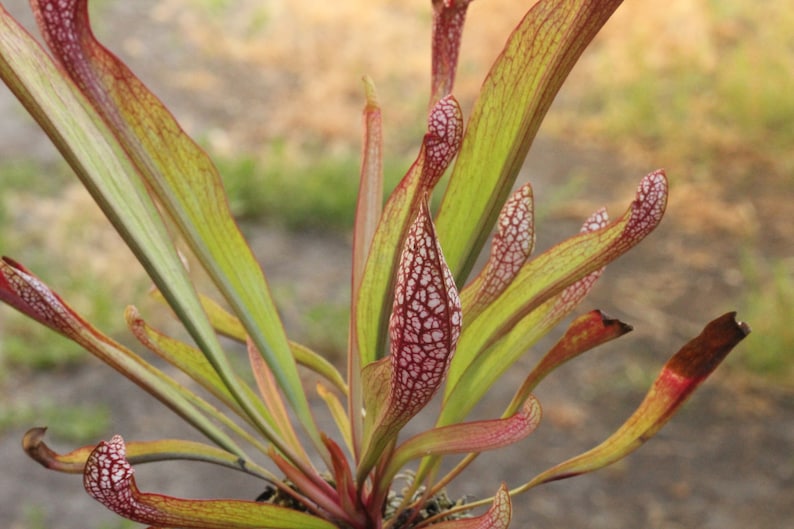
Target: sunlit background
272 89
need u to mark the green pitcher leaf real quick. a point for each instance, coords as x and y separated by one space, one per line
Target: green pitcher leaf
540 280
514 99
184 181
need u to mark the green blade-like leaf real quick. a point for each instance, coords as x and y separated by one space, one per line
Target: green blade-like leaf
370 192
88 146
682 374
138 453
514 99
185 182
274 404
193 363
108 478
338 414
228 325
490 365
181 355
91 150
369 207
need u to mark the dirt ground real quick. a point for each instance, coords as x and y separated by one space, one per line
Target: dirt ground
726 461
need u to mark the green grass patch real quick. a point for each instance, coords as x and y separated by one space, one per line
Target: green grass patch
23 174
70 424
50 225
35 517
326 329
28 346
315 193
769 307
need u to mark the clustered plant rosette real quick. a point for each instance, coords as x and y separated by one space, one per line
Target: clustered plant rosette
412 334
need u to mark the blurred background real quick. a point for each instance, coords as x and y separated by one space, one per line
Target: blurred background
271 89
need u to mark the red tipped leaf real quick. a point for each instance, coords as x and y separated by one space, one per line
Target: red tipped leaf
185 182
25 292
680 376
584 333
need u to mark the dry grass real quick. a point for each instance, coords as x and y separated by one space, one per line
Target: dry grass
311 55
695 83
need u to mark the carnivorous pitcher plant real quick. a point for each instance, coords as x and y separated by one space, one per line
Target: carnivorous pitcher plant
420 326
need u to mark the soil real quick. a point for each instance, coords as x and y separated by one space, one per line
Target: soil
726 461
